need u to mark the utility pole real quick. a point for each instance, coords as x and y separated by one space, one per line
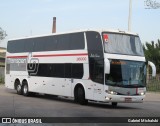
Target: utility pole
130 15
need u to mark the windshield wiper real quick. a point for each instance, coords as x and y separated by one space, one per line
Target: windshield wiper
119 85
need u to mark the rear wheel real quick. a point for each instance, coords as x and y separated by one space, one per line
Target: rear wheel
25 89
81 96
18 87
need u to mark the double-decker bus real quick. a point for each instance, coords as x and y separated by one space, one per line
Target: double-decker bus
105 66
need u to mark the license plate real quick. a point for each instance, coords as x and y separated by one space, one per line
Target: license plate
128 99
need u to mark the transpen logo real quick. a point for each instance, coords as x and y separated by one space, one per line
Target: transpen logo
33 66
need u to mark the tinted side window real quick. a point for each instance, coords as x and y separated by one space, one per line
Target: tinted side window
15 46
68 70
43 70
77 71
77 41
48 70
59 70
20 45
28 45
94 41
10 47
51 43
52 71
63 42
39 44
97 71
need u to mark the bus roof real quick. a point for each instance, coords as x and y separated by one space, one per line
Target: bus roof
84 30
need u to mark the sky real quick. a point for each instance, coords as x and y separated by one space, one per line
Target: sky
21 18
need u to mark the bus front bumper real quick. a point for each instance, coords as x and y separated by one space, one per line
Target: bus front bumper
124 99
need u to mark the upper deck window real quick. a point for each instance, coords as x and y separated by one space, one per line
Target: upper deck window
122 44
71 41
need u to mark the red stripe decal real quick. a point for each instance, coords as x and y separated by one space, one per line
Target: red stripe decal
55 55
17 56
50 55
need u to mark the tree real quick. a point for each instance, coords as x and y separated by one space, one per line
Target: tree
152 53
2 34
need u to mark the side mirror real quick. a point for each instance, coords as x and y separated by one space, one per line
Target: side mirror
107 66
153 68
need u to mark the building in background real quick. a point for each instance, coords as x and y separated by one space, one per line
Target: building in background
2 56
2 63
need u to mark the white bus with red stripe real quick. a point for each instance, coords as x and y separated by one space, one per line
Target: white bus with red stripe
105 66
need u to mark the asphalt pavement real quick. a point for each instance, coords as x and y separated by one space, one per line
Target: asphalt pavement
13 105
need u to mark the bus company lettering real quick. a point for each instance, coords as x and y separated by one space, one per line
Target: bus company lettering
118 62
10 60
81 58
94 55
33 66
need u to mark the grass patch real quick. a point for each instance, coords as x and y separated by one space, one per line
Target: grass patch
153 85
2 64
1 80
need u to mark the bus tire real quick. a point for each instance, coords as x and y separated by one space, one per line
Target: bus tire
18 87
114 104
81 96
25 88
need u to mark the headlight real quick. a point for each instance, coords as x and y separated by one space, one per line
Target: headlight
142 93
111 92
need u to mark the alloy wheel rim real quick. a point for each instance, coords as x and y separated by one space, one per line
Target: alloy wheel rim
25 89
18 88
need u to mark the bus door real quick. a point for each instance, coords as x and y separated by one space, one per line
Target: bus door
98 80
96 63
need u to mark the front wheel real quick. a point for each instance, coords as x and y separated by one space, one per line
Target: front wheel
25 89
81 96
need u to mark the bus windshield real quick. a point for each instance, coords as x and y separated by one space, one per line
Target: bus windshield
125 73
122 44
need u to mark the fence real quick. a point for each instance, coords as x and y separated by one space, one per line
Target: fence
153 83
